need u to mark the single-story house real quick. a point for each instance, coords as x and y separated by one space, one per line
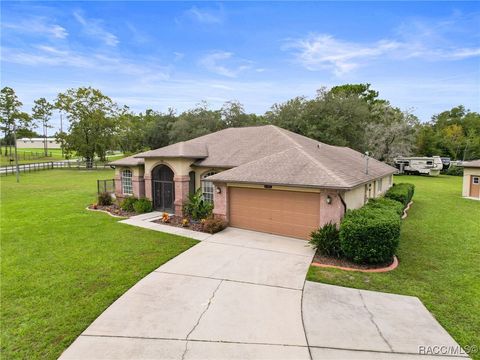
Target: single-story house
471 179
262 178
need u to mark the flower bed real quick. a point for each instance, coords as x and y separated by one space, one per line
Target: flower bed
209 225
113 209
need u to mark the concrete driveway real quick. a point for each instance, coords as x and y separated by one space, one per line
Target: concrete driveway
238 295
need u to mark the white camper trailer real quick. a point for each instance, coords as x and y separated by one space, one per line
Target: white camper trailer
419 165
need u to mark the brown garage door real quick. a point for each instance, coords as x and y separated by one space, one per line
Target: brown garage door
288 213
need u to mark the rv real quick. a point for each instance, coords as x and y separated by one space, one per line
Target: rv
419 165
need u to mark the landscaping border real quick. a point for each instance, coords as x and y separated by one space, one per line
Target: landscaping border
405 214
107 212
390 267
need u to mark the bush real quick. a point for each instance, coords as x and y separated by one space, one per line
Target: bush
326 240
386 203
370 235
454 170
214 225
142 206
402 192
105 199
196 207
127 204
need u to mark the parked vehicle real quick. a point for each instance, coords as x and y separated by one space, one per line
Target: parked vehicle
419 165
446 163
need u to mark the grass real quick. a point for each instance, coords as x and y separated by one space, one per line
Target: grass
439 258
63 265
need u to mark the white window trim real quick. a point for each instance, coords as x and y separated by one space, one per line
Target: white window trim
127 185
475 180
208 190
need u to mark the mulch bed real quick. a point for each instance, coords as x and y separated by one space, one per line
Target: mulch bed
177 222
343 263
113 209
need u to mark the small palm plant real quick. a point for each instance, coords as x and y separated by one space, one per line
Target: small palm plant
196 207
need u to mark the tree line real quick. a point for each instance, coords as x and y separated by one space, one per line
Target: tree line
350 115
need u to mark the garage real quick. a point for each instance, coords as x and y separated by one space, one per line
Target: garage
288 213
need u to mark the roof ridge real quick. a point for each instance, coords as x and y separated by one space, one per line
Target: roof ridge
319 164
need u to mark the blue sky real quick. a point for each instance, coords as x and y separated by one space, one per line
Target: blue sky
423 56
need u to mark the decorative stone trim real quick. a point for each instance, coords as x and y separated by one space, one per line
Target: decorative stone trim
391 267
406 209
107 212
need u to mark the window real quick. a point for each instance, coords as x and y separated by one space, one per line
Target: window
476 180
379 185
127 188
207 187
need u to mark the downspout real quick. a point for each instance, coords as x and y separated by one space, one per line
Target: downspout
343 203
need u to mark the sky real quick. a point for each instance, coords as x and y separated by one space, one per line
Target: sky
421 56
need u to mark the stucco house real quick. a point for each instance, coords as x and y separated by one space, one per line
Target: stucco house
471 179
262 178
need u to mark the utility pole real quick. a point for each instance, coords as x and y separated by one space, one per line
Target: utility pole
61 128
17 169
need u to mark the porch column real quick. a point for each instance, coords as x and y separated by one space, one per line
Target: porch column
138 184
148 186
181 183
118 186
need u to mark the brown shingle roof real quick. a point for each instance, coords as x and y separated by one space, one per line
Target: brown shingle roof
272 155
472 163
127 161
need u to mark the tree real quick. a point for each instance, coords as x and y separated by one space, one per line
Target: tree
12 118
42 111
362 91
92 120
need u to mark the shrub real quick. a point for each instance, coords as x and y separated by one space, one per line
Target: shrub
196 207
142 206
386 203
105 199
326 240
454 170
127 204
214 225
402 192
370 235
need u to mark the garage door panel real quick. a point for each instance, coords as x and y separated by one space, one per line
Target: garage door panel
286 213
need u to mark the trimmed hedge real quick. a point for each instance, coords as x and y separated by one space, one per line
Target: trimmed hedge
127 204
402 192
142 206
326 240
386 203
370 234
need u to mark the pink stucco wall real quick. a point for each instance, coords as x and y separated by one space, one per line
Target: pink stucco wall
138 184
148 186
181 192
332 212
220 201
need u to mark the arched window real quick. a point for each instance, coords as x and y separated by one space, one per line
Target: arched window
207 187
127 188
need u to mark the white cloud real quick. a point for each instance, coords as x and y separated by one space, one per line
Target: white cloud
323 51
414 39
223 63
204 16
38 26
94 28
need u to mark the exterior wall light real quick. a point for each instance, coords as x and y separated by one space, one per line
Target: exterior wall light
218 190
329 199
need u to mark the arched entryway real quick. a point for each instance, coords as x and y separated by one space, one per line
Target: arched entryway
163 189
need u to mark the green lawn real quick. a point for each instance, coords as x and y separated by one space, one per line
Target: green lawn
439 258
63 265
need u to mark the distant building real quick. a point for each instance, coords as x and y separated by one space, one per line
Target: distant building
37 143
471 179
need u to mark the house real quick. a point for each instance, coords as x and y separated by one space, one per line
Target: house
471 179
261 178
37 143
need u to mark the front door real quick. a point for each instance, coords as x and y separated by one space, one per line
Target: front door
163 188
475 186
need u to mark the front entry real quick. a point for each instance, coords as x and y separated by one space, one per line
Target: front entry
163 189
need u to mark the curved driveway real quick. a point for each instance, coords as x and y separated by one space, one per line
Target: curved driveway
238 295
